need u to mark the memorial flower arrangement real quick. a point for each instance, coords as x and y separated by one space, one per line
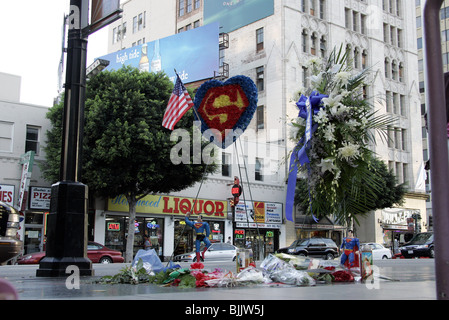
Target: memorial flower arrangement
334 162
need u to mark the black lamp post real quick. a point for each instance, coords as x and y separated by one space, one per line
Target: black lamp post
67 222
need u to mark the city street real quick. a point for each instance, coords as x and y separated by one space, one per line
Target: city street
410 279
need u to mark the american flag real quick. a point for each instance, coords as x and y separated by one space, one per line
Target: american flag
179 103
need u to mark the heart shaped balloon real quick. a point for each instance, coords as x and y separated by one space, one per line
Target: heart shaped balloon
225 108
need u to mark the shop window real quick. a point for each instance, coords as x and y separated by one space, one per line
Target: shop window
117 227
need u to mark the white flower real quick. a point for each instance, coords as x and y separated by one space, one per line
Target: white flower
321 117
343 77
316 80
353 123
314 61
329 133
327 165
348 151
332 101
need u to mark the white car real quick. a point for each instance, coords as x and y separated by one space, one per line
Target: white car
379 251
217 252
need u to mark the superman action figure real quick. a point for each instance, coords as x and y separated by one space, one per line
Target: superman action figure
202 230
350 245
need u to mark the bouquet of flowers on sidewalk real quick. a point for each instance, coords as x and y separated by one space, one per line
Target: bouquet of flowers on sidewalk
335 127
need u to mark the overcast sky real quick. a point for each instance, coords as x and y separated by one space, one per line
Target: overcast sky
31 38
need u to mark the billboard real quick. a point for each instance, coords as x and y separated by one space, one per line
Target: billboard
194 55
234 14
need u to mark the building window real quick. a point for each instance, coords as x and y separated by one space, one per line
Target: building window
181 8
225 164
258 170
6 134
135 24
259 77
323 47
260 117
141 22
312 7
259 39
32 139
304 41
189 6
322 6
313 45
197 4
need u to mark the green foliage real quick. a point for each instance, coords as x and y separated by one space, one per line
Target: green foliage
126 150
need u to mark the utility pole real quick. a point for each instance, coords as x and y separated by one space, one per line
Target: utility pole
67 222
439 164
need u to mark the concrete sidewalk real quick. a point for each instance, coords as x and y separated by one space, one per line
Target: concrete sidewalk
29 287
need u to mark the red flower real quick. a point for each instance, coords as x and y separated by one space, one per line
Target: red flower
197 265
343 276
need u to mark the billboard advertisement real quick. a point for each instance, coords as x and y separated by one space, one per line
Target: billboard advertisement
194 55
264 214
234 14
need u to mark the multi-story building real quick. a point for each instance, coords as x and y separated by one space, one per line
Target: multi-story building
270 42
22 136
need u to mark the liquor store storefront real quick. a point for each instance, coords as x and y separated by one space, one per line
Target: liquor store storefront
161 220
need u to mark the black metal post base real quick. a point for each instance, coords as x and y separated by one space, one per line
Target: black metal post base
66 232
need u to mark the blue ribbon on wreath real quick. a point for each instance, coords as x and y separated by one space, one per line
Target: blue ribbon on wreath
308 107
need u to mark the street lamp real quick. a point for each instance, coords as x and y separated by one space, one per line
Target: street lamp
96 67
67 222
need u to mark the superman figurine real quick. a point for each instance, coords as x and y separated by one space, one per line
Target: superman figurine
202 230
349 246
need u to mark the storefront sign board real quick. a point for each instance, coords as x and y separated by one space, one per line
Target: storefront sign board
170 205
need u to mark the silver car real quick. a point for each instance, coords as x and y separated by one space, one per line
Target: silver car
216 252
379 251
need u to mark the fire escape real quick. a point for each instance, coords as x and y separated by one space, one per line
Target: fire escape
223 72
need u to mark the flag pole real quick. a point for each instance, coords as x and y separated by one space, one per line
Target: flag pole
194 110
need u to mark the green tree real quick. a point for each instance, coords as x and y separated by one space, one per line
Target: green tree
387 193
126 150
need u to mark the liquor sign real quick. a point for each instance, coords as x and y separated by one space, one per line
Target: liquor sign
158 204
194 54
7 194
40 198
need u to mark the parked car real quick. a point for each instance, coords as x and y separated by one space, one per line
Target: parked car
313 247
379 251
96 252
217 251
421 245
10 246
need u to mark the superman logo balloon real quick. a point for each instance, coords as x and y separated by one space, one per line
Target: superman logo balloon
225 108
